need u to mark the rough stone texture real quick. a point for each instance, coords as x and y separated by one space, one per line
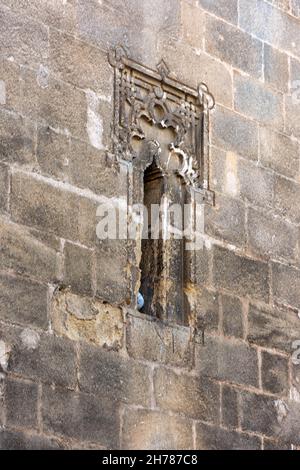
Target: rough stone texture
234 47
233 317
258 102
273 327
86 319
235 133
274 373
80 367
213 438
146 429
244 276
276 68
150 341
227 361
195 397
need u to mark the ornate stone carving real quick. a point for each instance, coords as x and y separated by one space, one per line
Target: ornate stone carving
144 97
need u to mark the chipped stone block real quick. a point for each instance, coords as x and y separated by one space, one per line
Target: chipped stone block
84 318
147 429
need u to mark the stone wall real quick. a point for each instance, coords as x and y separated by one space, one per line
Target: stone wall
79 369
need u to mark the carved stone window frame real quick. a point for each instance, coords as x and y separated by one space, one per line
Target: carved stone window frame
138 93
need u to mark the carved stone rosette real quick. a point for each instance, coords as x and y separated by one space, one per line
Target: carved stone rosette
143 98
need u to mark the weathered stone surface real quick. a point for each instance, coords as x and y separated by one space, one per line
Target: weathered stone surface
279 152
256 184
270 24
21 399
258 102
213 438
112 258
274 370
192 24
228 361
229 403
54 103
199 67
295 5
17 139
15 440
41 357
276 68
227 9
22 38
271 444
286 284
197 398
23 301
60 14
271 237
204 305
226 220
143 429
273 327
274 418
53 207
80 416
237 177
114 378
233 317
86 319
121 24
78 268
24 252
243 276
154 342
235 133
10 85
233 46
80 64
286 194
4 187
